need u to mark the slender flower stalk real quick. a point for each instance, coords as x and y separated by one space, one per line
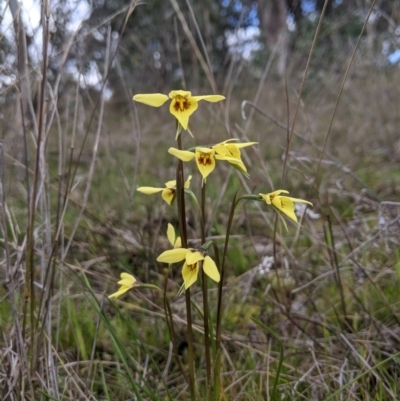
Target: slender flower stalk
182 229
205 292
220 290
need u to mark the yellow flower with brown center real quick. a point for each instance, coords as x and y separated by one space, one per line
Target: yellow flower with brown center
284 204
127 282
205 159
191 266
168 193
232 150
182 106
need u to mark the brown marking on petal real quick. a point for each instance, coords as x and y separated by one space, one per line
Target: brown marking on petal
181 103
204 159
192 267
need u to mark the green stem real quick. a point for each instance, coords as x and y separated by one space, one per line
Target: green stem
170 324
180 195
205 292
220 288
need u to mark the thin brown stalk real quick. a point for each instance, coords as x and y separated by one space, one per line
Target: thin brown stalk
178 52
129 11
171 327
220 290
360 36
13 293
205 292
335 266
196 49
180 195
95 145
32 209
334 159
313 45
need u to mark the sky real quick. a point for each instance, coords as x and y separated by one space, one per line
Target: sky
31 14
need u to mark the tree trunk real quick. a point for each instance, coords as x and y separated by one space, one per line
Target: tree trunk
272 15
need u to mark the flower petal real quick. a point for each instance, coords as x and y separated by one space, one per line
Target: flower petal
221 149
171 234
149 190
182 108
178 243
193 257
245 144
127 282
204 150
269 197
237 163
187 183
173 255
168 195
171 184
120 292
266 198
285 205
151 99
229 140
205 161
239 166
231 160
209 98
278 192
189 274
127 279
183 155
299 200
182 93
210 268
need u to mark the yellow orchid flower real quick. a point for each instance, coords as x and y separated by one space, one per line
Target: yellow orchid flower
127 282
168 193
232 150
205 159
173 240
284 204
190 269
183 104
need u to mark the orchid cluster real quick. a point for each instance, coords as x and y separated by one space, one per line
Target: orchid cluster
198 262
182 106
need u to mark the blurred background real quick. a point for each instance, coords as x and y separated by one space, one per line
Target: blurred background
156 54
